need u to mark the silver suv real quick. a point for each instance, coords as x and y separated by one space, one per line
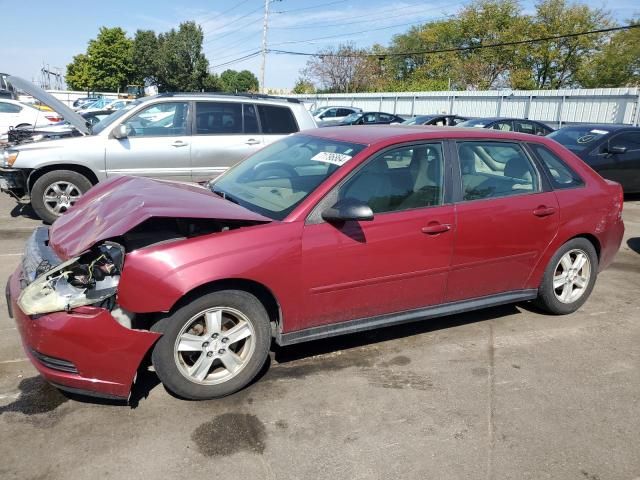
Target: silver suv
188 137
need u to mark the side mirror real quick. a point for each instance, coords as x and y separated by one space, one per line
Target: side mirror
348 210
616 149
120 132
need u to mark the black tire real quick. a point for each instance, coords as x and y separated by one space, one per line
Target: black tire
547 298
164 358
43 184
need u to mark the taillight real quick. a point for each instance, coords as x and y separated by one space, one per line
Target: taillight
53 118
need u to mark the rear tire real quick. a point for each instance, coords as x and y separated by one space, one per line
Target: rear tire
57 191
213 346
569 278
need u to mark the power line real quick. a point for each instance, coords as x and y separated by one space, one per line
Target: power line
246 57
218 37
216 14
312 7
377 14
459 49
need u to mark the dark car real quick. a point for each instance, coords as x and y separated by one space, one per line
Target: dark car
371 118
611 150
326 232
440 120
79 102
519 125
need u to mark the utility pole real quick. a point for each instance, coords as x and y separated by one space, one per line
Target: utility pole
265 27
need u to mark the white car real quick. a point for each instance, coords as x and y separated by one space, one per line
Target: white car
16 114
326 116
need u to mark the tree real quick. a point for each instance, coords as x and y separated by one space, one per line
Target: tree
344 69
303 85
237 82
212 83
78 76
557 63
181 65
617 64
144 58
106 65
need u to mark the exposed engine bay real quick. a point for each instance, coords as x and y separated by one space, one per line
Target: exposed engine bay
90 279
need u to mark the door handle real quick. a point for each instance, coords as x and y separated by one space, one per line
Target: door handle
434 228
253 141
179 143
544 211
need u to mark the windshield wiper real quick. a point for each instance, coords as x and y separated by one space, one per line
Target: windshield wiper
224 195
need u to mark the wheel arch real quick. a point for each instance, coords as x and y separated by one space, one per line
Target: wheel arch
264 295
591 238
81 169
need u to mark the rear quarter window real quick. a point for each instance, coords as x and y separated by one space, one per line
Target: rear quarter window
277 120
559 173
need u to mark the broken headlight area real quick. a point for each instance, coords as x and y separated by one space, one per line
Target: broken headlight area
90 279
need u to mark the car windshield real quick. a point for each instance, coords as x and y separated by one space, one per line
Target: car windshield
417 120
105 122
478 123
276 179
578 139
352 118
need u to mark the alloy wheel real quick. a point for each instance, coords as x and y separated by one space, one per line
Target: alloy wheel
571 276
60 196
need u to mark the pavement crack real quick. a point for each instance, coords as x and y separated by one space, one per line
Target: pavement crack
490 401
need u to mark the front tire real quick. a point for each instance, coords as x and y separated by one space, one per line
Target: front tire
213 346
569 277
57 191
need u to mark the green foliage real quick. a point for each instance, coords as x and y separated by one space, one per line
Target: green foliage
144 58
107 64
303 86
238 82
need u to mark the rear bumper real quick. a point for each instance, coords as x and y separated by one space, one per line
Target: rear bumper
610 241
85 350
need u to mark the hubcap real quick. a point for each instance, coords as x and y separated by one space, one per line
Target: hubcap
214 345
571 276
60 196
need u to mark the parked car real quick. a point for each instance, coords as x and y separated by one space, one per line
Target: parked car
531 127
440 120
611 150
326 116
99 104
371 118
325 232
84 100
14 114
6 89
189 137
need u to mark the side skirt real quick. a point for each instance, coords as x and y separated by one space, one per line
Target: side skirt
387 320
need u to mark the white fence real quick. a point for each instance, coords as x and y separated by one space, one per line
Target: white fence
555 107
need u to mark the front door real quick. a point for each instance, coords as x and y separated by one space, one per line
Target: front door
399 260
505 220
158 144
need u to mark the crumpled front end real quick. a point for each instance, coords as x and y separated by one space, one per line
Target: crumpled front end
71 326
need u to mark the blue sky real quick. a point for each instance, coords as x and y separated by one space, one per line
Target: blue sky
48 33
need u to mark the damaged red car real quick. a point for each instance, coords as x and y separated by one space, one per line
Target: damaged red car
326 232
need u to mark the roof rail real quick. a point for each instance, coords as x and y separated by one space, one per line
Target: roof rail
226 94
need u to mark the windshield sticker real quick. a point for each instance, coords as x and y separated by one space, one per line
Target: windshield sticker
586 138
333 158
599 132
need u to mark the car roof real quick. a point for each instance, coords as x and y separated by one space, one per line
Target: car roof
379 134
239 97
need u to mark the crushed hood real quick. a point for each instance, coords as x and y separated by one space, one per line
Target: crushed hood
69 115
114 207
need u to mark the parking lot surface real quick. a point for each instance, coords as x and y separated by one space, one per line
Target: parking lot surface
503 393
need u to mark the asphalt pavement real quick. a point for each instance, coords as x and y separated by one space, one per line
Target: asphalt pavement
503 393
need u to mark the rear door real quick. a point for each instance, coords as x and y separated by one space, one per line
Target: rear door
158 144
224 133
506 217
9 113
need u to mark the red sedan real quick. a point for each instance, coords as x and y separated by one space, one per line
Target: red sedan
327 232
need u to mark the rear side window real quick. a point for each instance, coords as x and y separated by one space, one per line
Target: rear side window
9 108
277 120
218 118
560 174
344 112
495 169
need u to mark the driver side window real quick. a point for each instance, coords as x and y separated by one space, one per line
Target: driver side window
400 179
160 120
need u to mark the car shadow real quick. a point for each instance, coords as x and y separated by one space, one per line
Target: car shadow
147 380
23 210
634 244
